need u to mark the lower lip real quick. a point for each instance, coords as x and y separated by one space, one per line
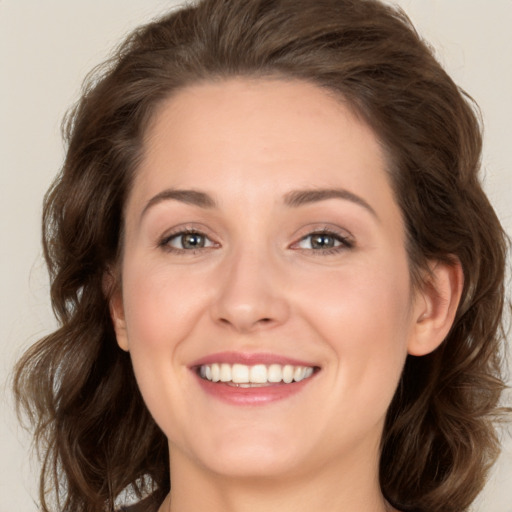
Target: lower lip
252 396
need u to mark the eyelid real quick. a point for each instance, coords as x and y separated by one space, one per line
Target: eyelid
163 241
345 238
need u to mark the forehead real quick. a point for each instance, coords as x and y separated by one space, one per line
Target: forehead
270 135
261 113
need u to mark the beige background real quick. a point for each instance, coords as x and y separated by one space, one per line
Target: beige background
47 47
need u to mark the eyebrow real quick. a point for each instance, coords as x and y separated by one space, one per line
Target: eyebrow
293 199
193 197
298 198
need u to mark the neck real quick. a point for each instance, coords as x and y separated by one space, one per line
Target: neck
350 486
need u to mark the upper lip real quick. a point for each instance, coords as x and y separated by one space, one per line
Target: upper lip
249 359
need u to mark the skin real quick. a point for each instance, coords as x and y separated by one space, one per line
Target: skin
259 285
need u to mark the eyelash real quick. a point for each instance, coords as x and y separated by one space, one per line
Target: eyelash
344 242
164 243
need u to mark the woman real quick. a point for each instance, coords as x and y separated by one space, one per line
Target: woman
279 281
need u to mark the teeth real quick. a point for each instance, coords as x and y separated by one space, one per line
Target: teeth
288 374
240 374
225 373
299 373
244 375
215 373
275 373
258 374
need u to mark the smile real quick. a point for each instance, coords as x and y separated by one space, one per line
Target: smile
258 375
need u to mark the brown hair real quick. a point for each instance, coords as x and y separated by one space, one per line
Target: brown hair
95 433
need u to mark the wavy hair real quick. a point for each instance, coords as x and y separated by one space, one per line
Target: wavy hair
95 434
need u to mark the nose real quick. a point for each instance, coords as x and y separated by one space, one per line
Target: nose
250 295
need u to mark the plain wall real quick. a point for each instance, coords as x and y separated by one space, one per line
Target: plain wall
47 47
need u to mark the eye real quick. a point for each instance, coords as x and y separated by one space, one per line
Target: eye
187 241
324 241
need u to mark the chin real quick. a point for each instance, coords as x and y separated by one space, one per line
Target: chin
251 454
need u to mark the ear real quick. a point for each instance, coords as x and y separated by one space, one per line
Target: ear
435 306
115 302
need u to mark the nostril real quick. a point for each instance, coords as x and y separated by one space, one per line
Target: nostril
261 321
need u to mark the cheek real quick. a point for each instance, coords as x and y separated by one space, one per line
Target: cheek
160 306
362 297
161 310
364 315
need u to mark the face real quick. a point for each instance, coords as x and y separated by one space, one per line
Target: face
266 298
